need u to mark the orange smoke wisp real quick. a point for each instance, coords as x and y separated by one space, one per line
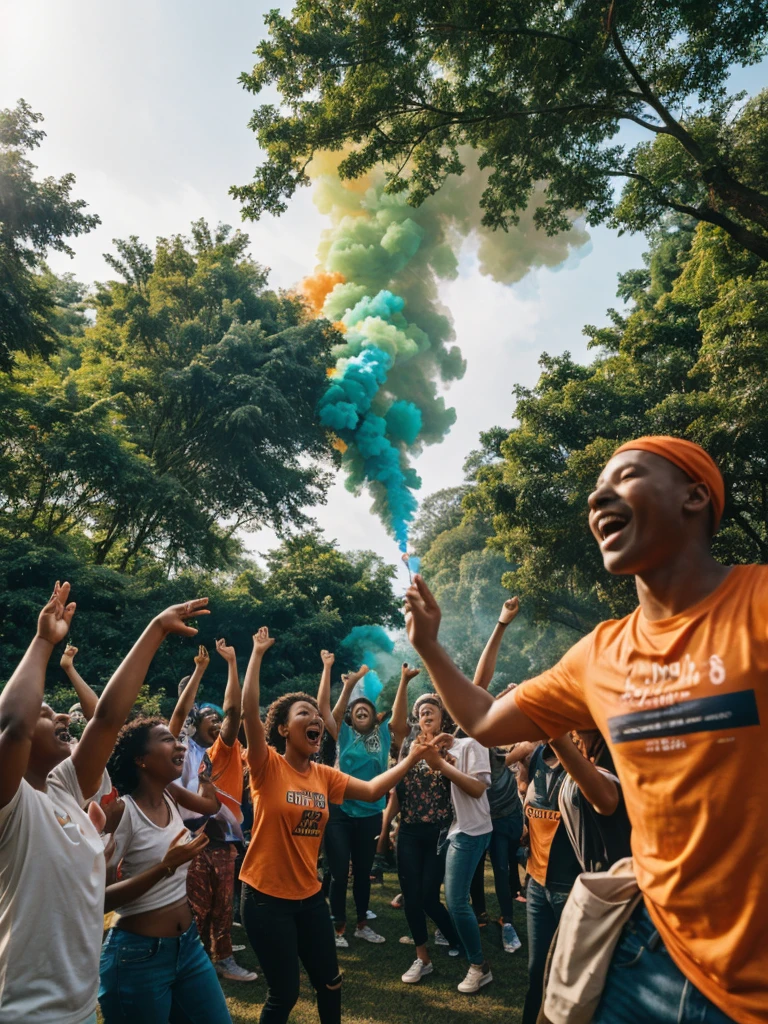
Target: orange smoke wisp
339 445
316 288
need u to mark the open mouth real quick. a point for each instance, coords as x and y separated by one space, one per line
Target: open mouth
609 526
314 734
178 760
64 735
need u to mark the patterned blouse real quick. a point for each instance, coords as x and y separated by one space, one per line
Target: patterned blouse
425 797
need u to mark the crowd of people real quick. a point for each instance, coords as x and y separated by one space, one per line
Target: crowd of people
142 842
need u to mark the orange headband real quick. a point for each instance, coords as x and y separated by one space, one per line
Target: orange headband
693 461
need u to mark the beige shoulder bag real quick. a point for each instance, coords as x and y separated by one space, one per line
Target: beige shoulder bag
598 907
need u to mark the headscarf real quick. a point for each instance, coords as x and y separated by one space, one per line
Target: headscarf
693 461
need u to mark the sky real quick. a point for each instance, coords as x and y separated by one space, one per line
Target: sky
141 102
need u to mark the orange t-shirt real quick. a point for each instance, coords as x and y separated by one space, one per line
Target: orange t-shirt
680 702
227 773
290 812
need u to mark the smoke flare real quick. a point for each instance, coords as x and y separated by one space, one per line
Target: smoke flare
380 263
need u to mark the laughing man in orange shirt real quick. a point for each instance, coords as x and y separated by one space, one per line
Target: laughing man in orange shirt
679 689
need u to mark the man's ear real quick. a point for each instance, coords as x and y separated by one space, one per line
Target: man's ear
698 499
283 730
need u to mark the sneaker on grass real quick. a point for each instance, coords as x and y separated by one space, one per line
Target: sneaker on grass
341 941
477 976
368 934
417 971
232 971
440 939
510 939
370 916
406 940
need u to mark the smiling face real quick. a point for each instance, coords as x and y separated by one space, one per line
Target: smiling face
208 727
362 716
644 511
303 730
163 755
51 739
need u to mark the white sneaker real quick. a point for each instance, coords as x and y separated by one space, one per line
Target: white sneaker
510 939
417 971
341 940
368 934
232 971
370 916
440 939
406 940
477 976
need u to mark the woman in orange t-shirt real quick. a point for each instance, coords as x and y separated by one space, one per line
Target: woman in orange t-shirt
283 908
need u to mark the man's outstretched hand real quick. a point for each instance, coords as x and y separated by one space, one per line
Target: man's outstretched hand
509 610
422 614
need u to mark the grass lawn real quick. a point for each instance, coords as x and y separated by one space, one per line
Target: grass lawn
373 992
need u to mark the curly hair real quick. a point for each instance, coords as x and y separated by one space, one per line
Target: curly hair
277 715
131 743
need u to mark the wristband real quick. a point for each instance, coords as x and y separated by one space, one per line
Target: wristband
502 624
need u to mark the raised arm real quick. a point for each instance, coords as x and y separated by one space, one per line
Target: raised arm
398 723
22 698
254 727
87 697
377 787
596 787
181 851
324 694
204 801
189 693
230 727
348 683
486 666
491 722
91 754
390 811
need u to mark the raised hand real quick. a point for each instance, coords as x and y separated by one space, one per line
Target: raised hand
422 613
509 610
56 617
180 851
352 678
409 673
227 652
68 657
328 658
262 641
203 658
173 619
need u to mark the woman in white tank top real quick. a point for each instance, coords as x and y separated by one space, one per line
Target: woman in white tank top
153 964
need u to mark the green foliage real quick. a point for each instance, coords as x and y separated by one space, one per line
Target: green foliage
539 90
35 216
310 595
190 403
691 359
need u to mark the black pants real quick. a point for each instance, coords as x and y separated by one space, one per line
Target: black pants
282 932
348 838
421 870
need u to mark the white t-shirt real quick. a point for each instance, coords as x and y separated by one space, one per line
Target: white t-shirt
52 879
471 815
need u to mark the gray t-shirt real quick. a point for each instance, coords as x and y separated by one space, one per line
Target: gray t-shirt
52 879
471 815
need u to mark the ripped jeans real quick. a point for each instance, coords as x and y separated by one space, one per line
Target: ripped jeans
282 932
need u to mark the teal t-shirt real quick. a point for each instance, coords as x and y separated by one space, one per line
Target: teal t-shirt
364 757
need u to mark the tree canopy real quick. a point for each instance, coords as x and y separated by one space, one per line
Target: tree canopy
35 216
690 358
539 90
184 414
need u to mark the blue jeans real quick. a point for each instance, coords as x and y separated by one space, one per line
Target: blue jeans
505 840
159 980
464 853
644 984
543 911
